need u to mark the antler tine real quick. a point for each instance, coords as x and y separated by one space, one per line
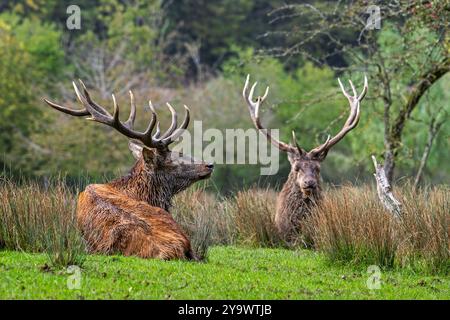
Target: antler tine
252 91
82 99
158 128
352 120
364 91
97 113
254 114
77 113
130 122
353 88
158 131
147 138
187 118
343 89
244 91
124 128
115 116
88 98
322 147
78 94
178 132
295 143
173 124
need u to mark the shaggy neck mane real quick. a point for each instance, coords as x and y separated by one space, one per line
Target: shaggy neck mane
144 185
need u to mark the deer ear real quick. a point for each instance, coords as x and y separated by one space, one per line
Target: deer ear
135 148
153 157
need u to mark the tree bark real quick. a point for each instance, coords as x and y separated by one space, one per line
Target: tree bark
395 135
384 190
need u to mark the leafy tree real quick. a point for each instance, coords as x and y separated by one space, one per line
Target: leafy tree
31 57
214 26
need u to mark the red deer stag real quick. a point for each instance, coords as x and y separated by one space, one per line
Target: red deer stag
302 188
130 215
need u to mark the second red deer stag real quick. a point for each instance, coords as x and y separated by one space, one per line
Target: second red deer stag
130 215
302 188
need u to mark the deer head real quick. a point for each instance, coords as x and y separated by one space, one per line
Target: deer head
305 166
172 170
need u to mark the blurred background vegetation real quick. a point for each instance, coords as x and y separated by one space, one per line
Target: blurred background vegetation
198 52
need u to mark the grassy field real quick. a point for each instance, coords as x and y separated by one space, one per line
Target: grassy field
229 273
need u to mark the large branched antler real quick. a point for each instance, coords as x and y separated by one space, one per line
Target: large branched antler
100 114
352 120
253 107
321 150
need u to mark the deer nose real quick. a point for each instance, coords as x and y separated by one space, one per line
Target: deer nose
310 183
210 165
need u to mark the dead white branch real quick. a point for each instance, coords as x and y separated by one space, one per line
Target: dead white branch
384 190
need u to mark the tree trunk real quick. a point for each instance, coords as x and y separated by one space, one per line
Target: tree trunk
389 164
384 190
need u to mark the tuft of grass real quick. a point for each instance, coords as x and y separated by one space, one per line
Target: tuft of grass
253 213
247 218
34 218
425 229
351 225
202 218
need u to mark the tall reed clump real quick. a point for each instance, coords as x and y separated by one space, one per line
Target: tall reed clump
243 219
425 229
253 213
351 225
203 218
34 218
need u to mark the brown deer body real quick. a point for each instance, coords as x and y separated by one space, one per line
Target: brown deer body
293 203
302 189
130 215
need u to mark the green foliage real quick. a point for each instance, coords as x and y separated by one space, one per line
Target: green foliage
142 45
135 23
16 78
42 42
31 59
217 25
407 53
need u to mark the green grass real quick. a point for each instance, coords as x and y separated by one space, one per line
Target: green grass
229 273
